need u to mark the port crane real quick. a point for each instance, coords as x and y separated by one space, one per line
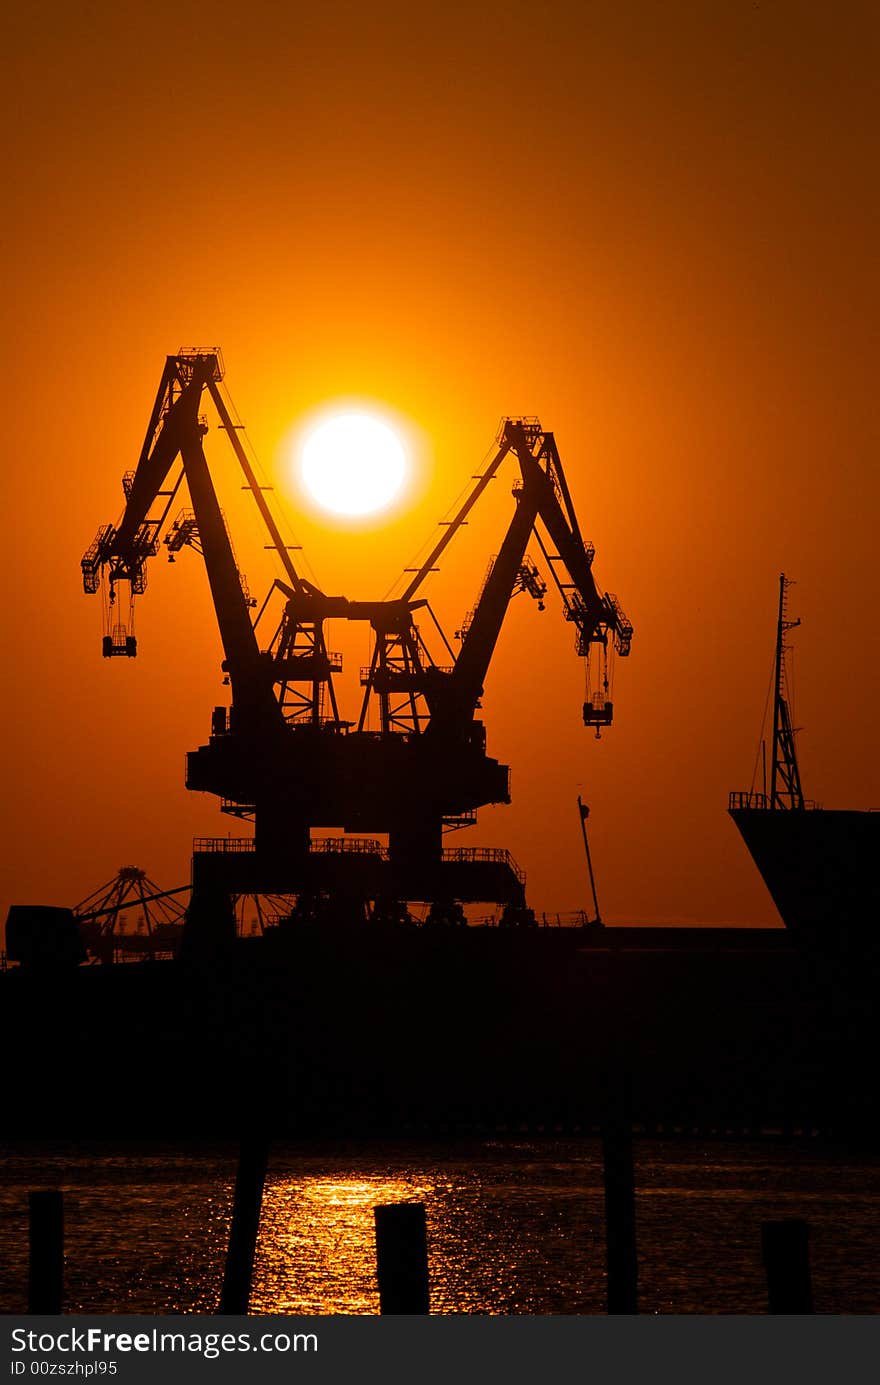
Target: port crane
280 754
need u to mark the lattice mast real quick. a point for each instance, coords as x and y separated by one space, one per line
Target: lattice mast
785 778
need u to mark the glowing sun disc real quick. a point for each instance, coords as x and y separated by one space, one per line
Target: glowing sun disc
353 464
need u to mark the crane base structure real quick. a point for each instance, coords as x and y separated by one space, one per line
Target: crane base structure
281 756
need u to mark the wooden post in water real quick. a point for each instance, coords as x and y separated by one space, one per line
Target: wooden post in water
402 1257
46 1264
620 1215
251 1176
786 1255
617 1160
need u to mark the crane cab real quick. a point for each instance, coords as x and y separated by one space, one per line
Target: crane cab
598 711
119 644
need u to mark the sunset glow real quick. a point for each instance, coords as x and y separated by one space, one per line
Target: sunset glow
667 252
353 464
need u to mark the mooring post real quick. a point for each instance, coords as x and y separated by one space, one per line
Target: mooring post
617 1161
46 1263
786 1255
621 1261
402 1257
252 1161
620 1216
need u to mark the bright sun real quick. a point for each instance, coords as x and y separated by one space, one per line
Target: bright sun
353 464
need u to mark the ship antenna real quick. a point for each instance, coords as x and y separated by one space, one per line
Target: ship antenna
785 778
764 761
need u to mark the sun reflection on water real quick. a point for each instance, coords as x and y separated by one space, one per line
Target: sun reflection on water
317 1249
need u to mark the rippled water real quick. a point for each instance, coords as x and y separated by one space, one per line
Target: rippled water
513 1227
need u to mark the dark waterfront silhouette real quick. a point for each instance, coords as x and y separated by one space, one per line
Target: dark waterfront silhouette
364 1028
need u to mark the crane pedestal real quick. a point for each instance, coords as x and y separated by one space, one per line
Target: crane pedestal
345 872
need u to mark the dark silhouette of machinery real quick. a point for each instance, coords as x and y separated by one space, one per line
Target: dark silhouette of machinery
255 914
131 917
281 755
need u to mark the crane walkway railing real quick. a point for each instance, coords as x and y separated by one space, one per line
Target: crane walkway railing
491 855
360 846
738 801
224 844
461 855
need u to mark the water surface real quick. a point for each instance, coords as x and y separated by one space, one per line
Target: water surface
514 1226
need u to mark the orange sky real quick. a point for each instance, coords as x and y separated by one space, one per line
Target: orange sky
653 226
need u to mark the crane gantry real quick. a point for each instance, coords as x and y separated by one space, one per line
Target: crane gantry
280 754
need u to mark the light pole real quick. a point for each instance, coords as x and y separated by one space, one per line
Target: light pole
584 812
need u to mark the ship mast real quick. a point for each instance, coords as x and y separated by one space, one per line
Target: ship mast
785 778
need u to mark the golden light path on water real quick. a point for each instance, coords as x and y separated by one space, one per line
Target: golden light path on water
325 1228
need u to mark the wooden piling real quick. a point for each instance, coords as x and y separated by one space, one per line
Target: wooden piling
249 1181
46 1263
402 1257
620 1217
786 1255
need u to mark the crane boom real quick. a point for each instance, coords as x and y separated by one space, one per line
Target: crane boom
465 686
249 673
156 460
175 430
542 493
